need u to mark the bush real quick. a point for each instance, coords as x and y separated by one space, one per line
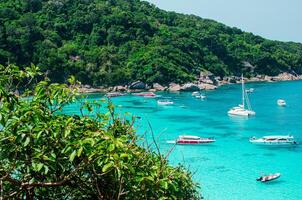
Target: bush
49 155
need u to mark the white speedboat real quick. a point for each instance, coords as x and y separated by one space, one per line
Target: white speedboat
190 139
274 140
245 108
165 102
194 94
281 102
270 177
201 96
251 90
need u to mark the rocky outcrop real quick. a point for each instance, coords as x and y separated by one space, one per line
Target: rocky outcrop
285 76
207 81
173 87
268 78
207 77
206 86
158 87
89 89
137 85
120 88
189 87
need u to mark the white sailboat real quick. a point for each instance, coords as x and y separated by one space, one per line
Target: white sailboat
245 108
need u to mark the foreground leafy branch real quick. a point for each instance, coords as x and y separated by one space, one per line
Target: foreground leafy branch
45 153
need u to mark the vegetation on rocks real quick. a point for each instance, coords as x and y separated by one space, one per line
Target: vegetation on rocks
113 42
46 154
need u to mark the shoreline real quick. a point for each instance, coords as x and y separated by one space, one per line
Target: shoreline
204 82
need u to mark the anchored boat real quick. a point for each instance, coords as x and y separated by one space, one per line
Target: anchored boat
165 102
274 140
114 94
190 139
145 94
199 95
281 102
241 110
270 177
251 90
194 94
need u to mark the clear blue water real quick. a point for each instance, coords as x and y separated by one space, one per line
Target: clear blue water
227 169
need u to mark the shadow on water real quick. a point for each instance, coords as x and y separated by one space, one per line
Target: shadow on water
269 154
280 148
249 154
180 118
274 182
185 129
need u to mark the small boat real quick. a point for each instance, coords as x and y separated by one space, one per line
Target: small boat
274 140
201 96
165 102
194 94
145 94
270 177
114 94
189 139
251 90
198 95
281 102
241 110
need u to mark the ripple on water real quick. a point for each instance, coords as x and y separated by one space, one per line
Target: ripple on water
249 154
269 154
178 118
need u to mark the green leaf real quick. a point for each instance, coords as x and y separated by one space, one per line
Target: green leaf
164 184
39 166
107 167
149 178
124 155
72 155
67 131
46 169
27 140
111 147
80 150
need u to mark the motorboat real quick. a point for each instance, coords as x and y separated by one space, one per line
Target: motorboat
268 178
194 94
114 94
274 140
165 102
281 102
189 139
145 94
198 95
251 90
201 96
244 109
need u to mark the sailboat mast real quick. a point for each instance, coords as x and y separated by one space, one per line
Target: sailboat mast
243 92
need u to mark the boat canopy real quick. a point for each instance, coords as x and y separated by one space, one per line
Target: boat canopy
189 137
278 137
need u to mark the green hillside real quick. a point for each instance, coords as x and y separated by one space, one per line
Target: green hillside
116 41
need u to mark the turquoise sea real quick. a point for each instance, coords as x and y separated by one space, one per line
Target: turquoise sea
227 169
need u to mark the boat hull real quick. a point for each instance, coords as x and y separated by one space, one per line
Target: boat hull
274 143
183 142
269 178
242 113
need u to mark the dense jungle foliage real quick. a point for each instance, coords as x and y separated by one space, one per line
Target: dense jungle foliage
111 42
49 155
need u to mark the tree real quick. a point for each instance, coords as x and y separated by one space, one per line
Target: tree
47 154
